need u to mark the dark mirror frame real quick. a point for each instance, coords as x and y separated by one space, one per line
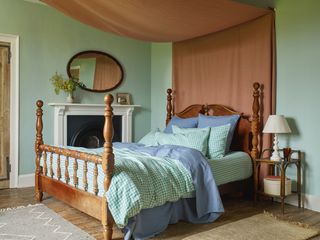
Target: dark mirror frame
102 53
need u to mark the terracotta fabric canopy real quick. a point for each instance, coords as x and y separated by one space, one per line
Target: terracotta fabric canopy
158 20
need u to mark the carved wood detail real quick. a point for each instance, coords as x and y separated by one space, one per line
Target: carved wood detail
59 168
51 167
85 176
66 173
107 166
75 173
255 120
169 105
38 143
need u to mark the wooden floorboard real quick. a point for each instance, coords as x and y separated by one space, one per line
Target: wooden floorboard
235 209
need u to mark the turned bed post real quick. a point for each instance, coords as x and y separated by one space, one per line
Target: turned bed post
255 124
38 143
169 105
107 167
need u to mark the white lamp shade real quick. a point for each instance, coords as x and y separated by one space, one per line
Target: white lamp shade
276 124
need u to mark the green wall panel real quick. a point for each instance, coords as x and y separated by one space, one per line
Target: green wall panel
298 84
161 78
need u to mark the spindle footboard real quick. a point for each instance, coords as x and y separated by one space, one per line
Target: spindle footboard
49 180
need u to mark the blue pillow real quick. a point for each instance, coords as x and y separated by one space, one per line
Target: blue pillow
182 123
215 121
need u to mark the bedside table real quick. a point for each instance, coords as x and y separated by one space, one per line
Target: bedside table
281 166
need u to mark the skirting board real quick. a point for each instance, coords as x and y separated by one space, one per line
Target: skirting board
308 201
26 180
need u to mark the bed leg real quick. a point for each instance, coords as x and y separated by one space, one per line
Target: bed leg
38 143
107 231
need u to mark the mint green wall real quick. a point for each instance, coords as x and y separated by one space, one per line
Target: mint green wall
47 40
161 78
298 80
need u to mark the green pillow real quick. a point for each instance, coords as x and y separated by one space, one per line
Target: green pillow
217 139
150 138
195 139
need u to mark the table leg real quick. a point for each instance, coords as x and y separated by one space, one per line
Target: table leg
299 184
282 186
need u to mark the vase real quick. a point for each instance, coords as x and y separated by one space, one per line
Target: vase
70 98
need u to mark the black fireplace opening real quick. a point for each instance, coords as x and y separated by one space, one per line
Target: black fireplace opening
87 131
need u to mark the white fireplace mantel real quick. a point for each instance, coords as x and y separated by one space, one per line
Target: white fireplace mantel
62 110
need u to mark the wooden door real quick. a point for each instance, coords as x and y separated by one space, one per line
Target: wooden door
4 115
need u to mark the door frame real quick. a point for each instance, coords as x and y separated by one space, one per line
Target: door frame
14 106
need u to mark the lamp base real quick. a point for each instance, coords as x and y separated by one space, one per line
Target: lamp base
275 154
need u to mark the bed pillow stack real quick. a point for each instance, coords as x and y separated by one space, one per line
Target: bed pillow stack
212 135
216 141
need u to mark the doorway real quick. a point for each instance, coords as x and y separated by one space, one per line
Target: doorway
9 110
4 115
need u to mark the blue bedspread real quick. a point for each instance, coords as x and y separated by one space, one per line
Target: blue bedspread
205 207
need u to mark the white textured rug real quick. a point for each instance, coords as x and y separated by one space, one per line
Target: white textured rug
36 222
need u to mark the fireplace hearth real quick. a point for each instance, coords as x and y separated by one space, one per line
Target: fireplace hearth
87 130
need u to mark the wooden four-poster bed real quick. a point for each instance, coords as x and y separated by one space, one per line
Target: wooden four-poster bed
246 138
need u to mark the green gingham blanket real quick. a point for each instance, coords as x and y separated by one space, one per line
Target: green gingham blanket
139 181
142 181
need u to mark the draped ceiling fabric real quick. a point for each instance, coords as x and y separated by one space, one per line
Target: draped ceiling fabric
158 20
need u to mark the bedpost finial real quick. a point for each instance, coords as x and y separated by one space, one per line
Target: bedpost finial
256 85
39 104
169 90
108 99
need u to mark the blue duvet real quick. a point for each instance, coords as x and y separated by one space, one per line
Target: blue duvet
205 207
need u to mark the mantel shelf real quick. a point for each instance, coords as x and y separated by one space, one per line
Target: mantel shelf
91 105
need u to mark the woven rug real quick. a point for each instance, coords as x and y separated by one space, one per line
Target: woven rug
37 222
262 226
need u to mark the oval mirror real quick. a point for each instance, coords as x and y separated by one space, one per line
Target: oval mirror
97 71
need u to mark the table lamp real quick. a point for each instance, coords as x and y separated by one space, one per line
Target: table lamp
276 124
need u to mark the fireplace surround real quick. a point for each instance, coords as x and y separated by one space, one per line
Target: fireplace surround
64 113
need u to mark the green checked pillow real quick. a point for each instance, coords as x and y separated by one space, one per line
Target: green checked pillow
196 139
150 138
217 139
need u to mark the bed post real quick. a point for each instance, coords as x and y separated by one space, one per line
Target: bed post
38 143
255 121
107 167
169 105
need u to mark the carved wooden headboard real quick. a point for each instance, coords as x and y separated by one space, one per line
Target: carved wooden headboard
247 133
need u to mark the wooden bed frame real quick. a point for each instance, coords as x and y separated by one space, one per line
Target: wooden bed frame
246 139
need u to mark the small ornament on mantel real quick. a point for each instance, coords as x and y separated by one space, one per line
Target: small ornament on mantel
68 85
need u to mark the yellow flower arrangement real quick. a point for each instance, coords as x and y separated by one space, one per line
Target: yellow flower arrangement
68 85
